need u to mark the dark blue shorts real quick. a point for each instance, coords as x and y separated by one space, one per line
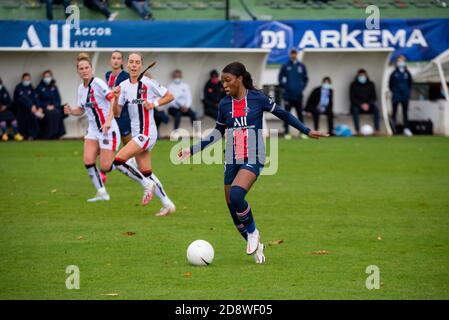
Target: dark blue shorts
124 123
232 169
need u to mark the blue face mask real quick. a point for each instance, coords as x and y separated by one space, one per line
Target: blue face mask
177 80
326 86
26 83
401 64
361 79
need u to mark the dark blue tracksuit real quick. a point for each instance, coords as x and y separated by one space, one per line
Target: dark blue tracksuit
24 100
293 79
124 123
53 126
400 85
7 116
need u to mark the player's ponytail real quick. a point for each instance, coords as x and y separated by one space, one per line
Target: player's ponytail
239 70
83 57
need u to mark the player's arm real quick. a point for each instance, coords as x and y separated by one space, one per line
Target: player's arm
116 106
293 121
216 134
111 98
77 111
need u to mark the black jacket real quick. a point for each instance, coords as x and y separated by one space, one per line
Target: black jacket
212 94
314 100
362 93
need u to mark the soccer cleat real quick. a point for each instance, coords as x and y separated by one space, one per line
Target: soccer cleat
103 177
288 136
408 133
259 257
148 193
165 211
5 137
18 137
253 242
101 196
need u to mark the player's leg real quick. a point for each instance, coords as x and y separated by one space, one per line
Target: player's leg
239 188
91 149
144 164
241 228
130 150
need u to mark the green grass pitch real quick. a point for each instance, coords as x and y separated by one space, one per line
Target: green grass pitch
365 201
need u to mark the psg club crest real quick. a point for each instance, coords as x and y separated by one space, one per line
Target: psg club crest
141 138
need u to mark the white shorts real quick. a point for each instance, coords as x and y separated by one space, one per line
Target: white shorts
145 142
109 141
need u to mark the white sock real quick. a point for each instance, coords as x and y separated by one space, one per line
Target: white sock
132 172
94 176
160 192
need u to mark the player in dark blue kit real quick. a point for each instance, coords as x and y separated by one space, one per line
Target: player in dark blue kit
113 78
241 112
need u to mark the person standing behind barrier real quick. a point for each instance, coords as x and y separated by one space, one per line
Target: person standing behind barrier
400 85
363 97
48 98
101 6
28 112
49 3
182 104
213 92
293 79
320 102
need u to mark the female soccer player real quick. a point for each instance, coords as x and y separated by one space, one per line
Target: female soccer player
142 95
113 78
241 113
103 138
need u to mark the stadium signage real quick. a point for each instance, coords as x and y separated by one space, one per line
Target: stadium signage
417 39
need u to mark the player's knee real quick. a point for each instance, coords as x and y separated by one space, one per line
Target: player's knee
119 162
105 166
237 195
89 164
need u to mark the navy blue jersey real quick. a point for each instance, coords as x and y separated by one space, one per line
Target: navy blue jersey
113 80
243 119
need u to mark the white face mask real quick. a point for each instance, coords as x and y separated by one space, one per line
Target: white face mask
326 85
26 83
47 80
362 79
401 64
177 80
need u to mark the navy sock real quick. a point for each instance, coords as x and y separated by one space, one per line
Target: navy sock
242 208
240 226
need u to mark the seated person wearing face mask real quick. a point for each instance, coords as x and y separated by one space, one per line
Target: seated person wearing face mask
28 113
182 104
319 102
363 97
7 117
49 100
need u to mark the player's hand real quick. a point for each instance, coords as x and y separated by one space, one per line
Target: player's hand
105 128
148 105
116 91
317 134
67 109
184 154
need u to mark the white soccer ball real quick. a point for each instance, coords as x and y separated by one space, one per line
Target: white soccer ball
200 253
367 130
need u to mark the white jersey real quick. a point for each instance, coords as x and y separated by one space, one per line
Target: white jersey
142 120
95 100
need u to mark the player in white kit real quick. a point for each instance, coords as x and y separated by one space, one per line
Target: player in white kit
142 95
103 136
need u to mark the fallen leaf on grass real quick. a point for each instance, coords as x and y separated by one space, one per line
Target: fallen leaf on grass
128 233
320 252
275 242
41 202
379 238
54 190
80 238
187 274
113 294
